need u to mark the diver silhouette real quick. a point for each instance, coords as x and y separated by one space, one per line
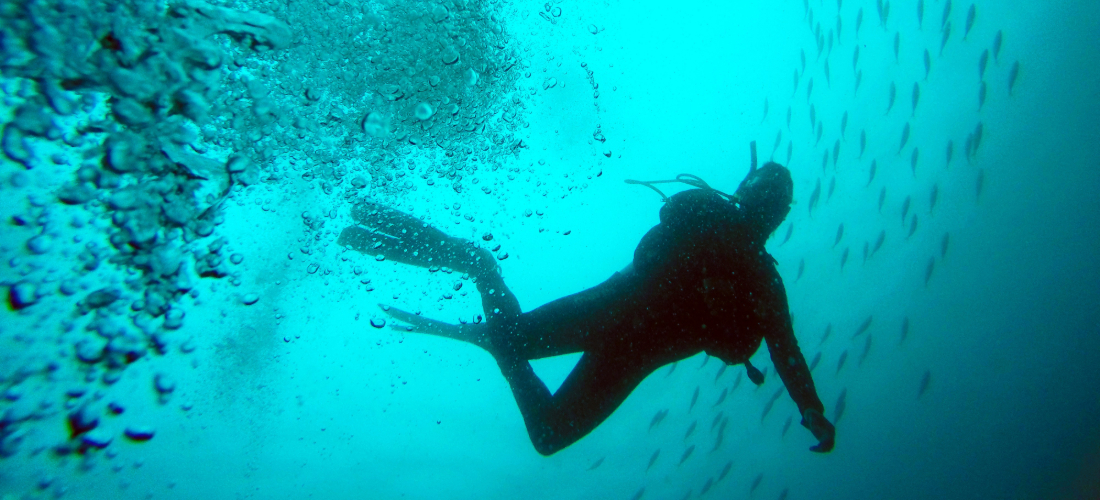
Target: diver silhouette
701 280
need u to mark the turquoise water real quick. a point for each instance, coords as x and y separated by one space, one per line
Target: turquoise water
181 323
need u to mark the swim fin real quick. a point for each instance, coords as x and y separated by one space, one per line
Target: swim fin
403 238
474 333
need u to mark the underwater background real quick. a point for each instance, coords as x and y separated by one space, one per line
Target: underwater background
180 323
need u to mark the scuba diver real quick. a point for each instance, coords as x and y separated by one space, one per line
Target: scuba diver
701 280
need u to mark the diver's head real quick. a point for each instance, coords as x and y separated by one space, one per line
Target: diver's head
765 197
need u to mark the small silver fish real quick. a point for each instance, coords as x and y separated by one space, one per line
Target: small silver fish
1013 75
839 234
904 137
970 17
687 454
933 197
893 96
878 242
816 195
950 151
706 486
866 350
946 36
881 198
874 168
653 459
657 418
862 142
721 398
915 157
690 430
912 226
905 208
925 381
725 470
946 13
920 14
916 97
998 40
840 362
859 20
897 47
843 258
841 403
904 329
863 327
927 64
928 270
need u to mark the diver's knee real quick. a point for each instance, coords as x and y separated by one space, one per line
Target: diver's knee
546 446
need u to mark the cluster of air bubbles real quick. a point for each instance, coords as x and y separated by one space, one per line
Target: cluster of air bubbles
132 128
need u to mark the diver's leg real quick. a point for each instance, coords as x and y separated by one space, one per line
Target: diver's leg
591 392
571 323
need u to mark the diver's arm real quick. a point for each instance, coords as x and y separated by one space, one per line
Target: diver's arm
783 347
791 365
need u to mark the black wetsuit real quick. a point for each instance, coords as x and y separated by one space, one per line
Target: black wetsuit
700 282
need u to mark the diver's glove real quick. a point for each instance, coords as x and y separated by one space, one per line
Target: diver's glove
821 428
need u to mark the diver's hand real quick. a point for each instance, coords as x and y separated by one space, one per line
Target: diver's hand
821 428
